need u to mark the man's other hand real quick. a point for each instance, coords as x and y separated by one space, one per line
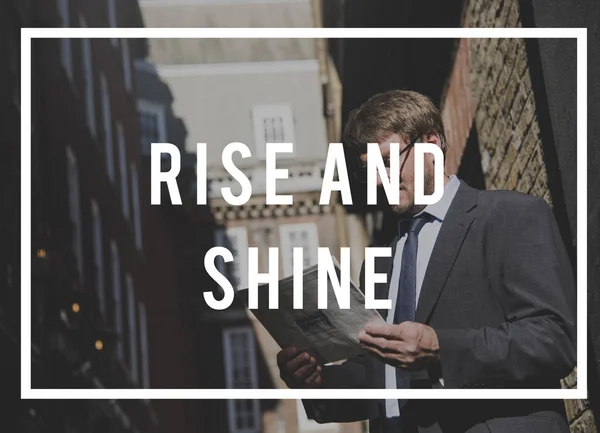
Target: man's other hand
298 369
408 345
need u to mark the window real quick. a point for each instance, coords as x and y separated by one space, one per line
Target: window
112 18
97 255
108 139
272 124
152 124
88 82
238 245
133 358
137 222
303 235
240 372
117 300
74 209
123 170
66 58
126 63
144 346
221 241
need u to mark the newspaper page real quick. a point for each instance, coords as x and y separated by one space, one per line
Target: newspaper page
331 334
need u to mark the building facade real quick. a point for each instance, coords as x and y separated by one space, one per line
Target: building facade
253 91
13 15
176 238
89 322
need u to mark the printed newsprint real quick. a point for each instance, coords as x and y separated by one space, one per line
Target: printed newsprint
331 334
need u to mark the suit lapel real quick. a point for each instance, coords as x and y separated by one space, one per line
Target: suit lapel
447 246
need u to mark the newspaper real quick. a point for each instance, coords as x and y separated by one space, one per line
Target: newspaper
331 334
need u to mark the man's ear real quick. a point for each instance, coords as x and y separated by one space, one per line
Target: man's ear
435 139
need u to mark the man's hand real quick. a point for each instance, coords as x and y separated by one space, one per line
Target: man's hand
408 345
298 370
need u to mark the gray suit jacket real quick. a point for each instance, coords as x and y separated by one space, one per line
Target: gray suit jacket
499 292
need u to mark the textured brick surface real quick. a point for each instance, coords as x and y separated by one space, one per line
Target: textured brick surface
499 87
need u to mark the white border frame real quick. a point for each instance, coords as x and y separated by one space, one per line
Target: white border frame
28 34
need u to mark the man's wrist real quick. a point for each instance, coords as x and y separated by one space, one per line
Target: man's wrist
431 343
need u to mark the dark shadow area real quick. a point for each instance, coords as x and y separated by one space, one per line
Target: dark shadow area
470 169
553 67
563 139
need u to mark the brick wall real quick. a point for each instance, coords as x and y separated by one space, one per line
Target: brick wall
458 108
490 91
505 113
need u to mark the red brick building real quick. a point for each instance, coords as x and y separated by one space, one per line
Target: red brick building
89 318
116 283
12 16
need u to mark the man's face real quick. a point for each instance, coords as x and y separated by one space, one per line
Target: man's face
406 204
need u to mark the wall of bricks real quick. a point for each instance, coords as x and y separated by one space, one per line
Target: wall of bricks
458 108
490 91
505 113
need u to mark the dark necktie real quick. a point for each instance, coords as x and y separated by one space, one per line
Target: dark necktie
407 285
405 301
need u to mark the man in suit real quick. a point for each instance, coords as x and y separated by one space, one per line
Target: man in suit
482 293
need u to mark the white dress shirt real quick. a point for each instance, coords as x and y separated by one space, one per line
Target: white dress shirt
427 238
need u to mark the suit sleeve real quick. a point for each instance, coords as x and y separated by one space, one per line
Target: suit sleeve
537 342
351 374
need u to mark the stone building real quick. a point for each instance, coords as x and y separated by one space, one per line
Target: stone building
13 16
112 276
253 91
89 324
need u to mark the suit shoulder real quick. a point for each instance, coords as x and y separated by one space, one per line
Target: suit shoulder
512 201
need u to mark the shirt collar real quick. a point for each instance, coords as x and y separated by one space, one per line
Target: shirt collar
440 208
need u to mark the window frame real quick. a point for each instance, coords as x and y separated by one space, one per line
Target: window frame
131 317
237 243
121 144
109 154
112 18
74 198
117 295
88 81
126 59
260 112
98 255
153 108
287 247
135 198
66 51
143 322
247 331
